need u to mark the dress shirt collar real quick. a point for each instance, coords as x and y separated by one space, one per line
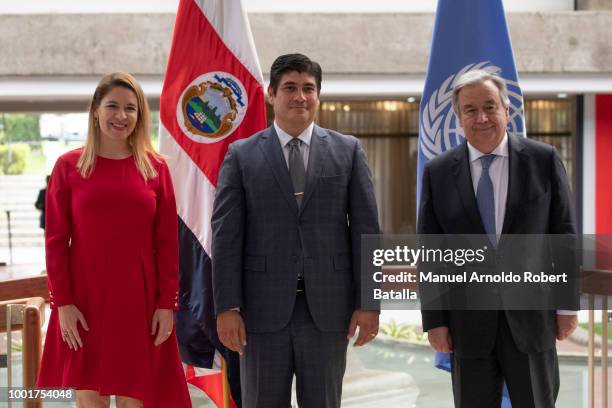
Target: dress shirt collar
285 137
500 150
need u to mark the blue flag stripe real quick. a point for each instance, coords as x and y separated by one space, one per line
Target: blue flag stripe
195 323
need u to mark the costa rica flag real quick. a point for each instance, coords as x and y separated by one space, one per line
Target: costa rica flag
212 95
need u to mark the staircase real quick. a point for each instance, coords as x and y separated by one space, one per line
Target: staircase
18 195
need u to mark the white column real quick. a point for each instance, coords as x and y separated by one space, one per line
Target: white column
588 163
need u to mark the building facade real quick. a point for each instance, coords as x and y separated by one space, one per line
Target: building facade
374 67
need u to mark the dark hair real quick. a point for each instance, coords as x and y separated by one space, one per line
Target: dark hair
294 62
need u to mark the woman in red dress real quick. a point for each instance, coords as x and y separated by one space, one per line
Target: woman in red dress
112 262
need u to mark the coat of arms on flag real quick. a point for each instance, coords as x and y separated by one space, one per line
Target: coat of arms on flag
212 107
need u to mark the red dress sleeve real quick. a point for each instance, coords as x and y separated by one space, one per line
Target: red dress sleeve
57 235
165 242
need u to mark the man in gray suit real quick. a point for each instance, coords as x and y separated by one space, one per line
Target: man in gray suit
292 203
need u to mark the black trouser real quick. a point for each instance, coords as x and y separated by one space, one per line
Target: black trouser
532 379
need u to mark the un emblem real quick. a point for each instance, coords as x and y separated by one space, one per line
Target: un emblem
439 127
212 107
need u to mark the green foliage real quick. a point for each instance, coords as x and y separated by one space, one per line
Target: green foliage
402 331
13 158
36 164
19 128
17 346
598 329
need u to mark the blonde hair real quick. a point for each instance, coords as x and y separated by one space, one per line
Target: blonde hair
139 140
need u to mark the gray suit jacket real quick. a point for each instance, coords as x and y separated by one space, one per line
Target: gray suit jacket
261 240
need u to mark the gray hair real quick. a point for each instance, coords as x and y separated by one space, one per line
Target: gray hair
478 76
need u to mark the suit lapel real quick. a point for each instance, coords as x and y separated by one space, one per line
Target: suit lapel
461 169
273 151
517 179
316 161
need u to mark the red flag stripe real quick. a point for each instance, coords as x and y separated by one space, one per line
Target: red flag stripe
198 49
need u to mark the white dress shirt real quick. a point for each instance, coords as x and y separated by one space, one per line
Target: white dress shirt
284 138
498 171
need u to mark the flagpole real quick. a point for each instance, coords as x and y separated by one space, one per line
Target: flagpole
225 382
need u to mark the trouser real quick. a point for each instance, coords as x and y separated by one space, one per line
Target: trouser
532 379
316 358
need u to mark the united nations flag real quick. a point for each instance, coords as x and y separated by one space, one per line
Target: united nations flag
467 35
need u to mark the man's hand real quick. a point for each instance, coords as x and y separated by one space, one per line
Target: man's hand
440 339
566 324
368 326
161 325
69 316
231 331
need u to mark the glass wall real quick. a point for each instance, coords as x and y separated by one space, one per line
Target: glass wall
553 121
388 130
389 133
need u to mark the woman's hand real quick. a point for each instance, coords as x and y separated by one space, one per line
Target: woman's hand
69 315
163 321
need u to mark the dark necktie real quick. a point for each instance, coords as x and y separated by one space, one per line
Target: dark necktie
297 170
486 198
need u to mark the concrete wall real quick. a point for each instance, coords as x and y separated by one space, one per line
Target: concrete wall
90 45
593 4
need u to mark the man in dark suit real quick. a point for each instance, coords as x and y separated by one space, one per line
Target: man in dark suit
496 184
292 203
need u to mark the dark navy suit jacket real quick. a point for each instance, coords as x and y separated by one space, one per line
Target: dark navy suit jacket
538 202
262 241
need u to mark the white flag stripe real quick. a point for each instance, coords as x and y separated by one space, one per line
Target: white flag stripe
216 366
194 193
230 21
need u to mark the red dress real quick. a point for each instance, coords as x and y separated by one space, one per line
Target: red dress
112 251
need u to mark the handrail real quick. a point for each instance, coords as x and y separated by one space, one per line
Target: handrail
33 286
597 282
32 293
30 317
